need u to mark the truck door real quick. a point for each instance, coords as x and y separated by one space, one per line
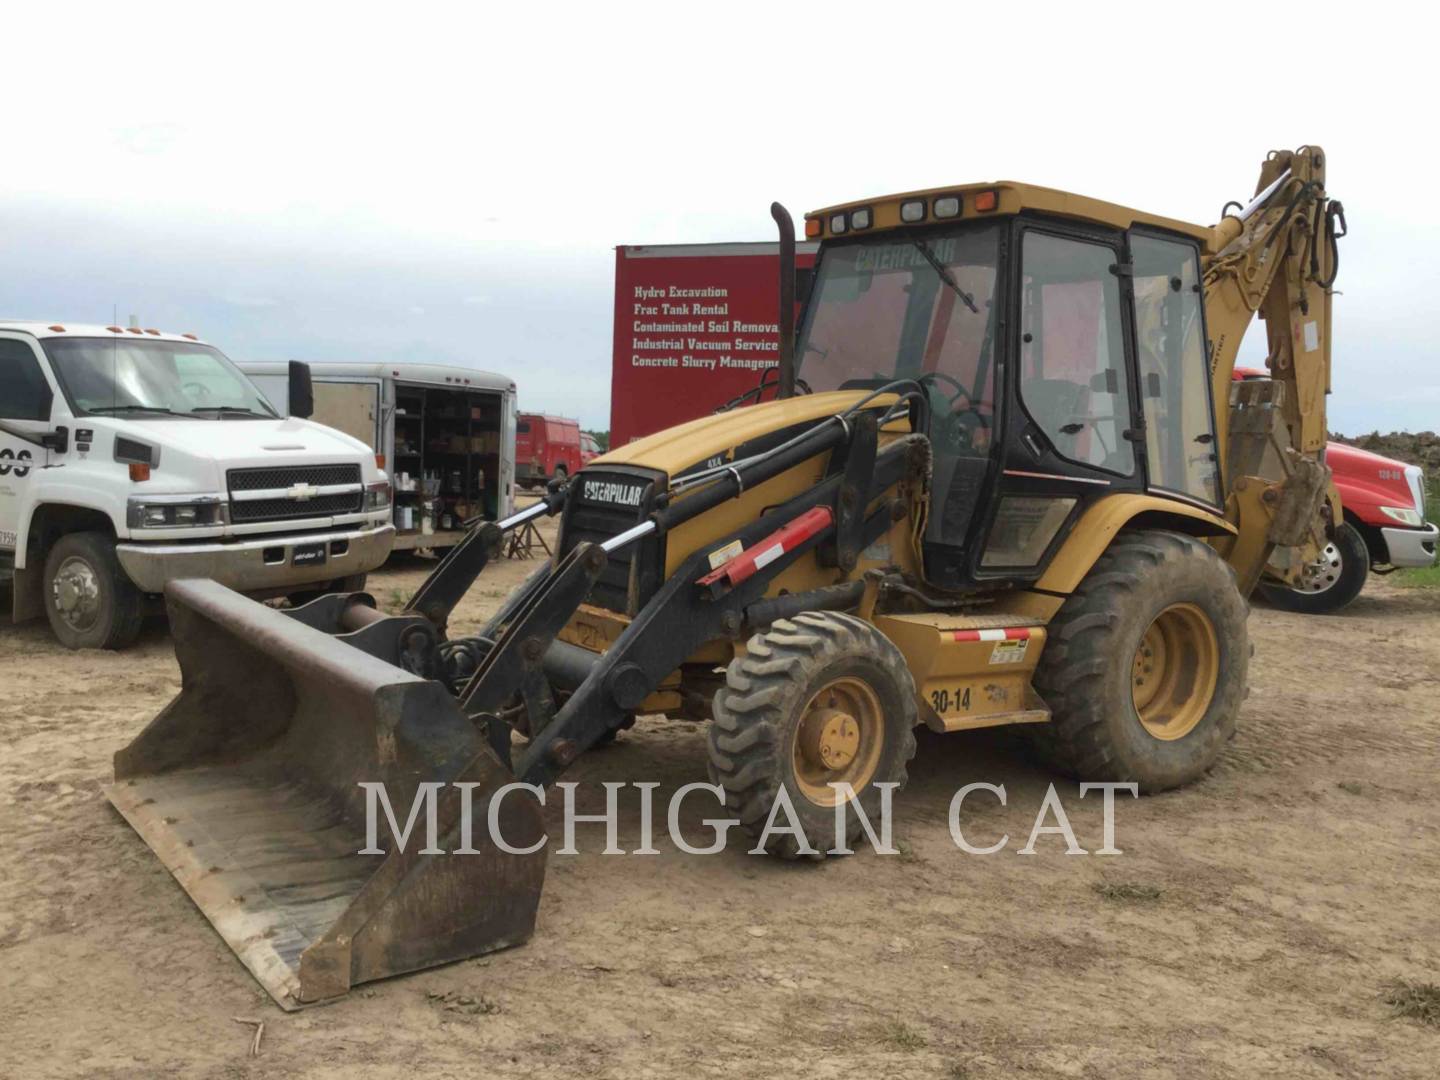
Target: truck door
26 397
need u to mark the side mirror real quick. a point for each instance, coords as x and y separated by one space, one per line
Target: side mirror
302 391
57 440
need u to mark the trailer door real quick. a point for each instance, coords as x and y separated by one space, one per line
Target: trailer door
351 407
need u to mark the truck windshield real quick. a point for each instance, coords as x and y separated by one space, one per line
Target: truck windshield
911 307
156 378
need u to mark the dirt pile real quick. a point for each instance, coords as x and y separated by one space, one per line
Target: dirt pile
1414 448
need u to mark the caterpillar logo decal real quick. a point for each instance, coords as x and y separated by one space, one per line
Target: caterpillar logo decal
21 466
615 494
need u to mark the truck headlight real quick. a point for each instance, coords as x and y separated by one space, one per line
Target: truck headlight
377 496
175 512
1404 515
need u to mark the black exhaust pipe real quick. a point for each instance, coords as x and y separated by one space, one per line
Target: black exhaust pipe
787 299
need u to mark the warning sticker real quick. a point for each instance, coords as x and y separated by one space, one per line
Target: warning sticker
1312 336
1010 651
720 556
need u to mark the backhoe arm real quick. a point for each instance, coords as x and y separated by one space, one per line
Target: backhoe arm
1276 257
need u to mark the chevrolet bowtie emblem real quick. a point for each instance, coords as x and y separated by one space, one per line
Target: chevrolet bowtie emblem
303 492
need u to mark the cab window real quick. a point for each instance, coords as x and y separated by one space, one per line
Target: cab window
918 307
1072 351
24 393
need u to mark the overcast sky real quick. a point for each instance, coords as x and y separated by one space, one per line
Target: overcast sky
416 182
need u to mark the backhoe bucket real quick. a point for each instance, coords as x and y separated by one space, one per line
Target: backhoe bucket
248 788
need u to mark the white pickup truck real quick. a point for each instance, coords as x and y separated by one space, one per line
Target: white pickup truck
130 457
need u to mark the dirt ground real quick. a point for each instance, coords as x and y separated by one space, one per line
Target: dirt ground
1248 929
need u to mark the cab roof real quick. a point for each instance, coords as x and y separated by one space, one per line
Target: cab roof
1009 197
88 330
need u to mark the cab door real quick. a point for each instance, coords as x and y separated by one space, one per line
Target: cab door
26 398
1174 373
1072 431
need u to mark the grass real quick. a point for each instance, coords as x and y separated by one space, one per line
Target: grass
1413 1001
1128 891
1426 577
900 1036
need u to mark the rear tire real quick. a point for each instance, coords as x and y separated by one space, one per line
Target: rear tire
1145 665
1331 582
90 602
818 698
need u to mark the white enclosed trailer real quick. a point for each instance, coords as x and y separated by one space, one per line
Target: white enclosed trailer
446 435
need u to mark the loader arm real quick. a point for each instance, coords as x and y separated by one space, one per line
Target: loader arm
1276 257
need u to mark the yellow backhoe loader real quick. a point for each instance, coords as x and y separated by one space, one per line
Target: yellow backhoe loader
1005 479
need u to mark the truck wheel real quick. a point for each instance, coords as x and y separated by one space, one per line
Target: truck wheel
1331 581
89 600
818 699
1144 667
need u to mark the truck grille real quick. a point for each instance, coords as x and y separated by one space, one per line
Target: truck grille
287 497
596 520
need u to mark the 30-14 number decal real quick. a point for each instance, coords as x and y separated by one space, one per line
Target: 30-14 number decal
942 701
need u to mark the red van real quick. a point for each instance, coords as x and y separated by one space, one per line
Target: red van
546 448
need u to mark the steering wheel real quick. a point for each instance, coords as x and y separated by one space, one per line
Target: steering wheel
957 435
197 391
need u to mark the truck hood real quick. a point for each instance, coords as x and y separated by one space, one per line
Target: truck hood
1367 481
254 441
196 455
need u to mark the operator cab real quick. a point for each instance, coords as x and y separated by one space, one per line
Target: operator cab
1062 357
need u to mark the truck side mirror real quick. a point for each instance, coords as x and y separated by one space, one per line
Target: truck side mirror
302 391
57 441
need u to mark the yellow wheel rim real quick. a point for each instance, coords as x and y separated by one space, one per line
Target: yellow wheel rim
838 739
1176 667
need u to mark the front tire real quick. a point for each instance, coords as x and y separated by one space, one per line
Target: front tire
90 602
1145 665
1331 581
818 699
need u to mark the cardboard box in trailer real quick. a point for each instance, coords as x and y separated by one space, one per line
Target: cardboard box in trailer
696 325
447 435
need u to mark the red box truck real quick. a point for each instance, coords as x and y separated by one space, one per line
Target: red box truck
546 448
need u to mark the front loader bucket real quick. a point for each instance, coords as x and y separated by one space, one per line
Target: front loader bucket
247 786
